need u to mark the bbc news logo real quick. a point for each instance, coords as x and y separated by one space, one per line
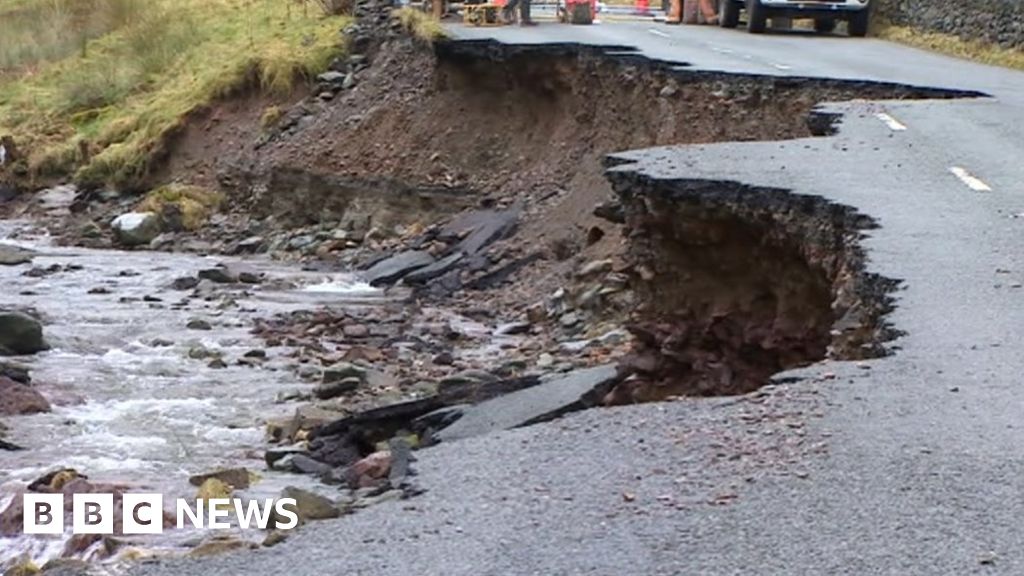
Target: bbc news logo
144 513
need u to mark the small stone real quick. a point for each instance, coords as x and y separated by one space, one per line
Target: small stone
444 359
184 283
356 331
217 364
569 319
274 538
337 388
219 274
198 324
545 360
238 478
341 371
308 505
256 353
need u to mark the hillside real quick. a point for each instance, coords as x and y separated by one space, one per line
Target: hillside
93 89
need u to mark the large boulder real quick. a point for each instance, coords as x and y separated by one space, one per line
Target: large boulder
13 255
20 334
136 228
17 399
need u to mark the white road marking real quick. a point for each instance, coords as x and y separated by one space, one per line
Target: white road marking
722 50
971 182
782 67
658 33
893 124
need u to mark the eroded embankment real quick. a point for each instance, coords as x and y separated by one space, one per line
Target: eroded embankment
737 283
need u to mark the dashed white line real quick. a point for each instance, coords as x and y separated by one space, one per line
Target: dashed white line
721 50
782 67
658 33
893 124
971 182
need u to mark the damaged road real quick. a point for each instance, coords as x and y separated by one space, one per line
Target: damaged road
857 464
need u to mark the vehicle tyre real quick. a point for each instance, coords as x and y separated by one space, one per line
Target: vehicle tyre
728 13
757 17
858 24
825 25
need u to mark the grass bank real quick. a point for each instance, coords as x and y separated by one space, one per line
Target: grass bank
977 51
96 92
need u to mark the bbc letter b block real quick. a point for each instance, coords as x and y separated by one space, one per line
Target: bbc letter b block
93 514
43 514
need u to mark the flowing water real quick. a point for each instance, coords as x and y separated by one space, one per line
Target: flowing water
130 405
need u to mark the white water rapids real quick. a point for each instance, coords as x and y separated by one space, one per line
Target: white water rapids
129 409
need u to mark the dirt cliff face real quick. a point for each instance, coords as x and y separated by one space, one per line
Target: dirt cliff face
738 283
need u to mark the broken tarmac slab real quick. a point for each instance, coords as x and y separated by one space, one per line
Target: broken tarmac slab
393 268
480 228
574 391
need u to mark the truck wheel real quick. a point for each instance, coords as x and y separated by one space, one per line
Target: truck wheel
728 13
858 24
757 17
825 25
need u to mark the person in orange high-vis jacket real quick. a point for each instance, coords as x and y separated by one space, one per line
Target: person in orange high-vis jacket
686 11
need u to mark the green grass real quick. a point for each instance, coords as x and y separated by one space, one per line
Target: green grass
106 109
420 24
195 204
978 51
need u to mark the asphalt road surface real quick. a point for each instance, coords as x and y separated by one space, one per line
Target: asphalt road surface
912 464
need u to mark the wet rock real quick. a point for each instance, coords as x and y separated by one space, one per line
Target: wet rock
19 399
255 353
5 445
98 290
539 403
308 506
217 364
15 372
20 334
238 478
392 269
184 283
301 464
136 228
274 456
14 255
213 488
336 388
219 274
198 324
68 567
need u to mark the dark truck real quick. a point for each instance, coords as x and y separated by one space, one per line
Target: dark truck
825 13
